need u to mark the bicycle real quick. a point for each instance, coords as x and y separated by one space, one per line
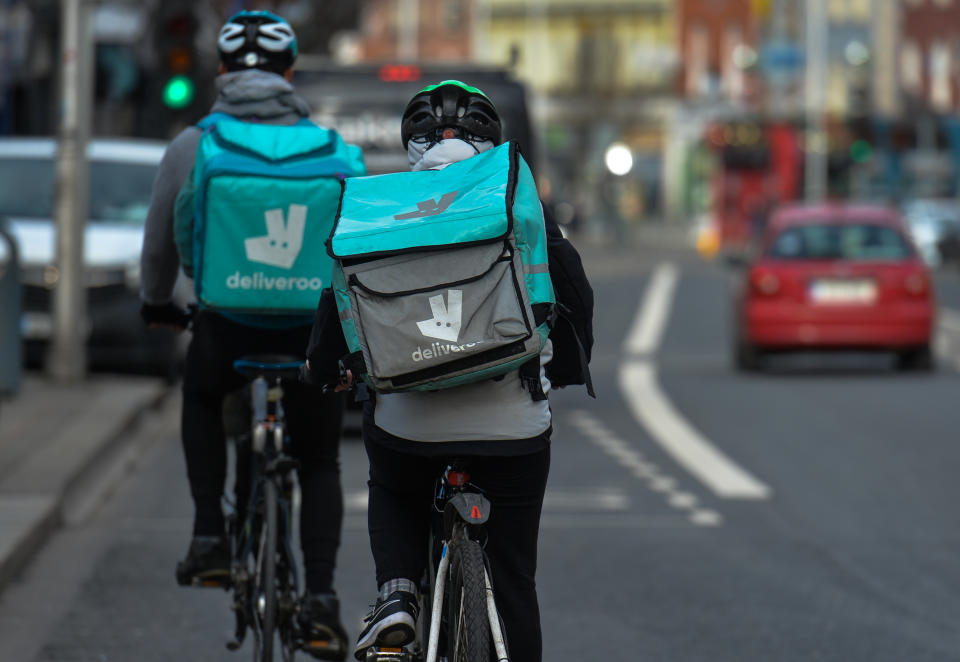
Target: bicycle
458 577
263 573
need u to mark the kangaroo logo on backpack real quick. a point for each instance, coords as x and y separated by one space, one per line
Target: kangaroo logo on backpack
283 178
281 245
430 207
447 318
474 251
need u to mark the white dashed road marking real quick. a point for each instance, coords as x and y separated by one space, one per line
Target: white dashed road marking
632 459
593 499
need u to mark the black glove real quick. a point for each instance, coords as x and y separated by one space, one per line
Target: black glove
165 314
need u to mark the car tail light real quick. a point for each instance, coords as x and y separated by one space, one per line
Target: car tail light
400 73
764 282
916 284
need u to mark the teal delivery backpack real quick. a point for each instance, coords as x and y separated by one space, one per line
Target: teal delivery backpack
266 198
441 276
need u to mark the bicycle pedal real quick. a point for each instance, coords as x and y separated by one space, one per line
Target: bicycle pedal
387 654
212 582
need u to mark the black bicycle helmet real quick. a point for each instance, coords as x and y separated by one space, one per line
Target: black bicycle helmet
257 40
450 104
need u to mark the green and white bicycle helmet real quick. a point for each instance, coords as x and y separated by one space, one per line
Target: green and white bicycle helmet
257 40
450 104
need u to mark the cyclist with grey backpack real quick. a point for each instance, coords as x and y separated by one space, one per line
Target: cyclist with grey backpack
500 425
257 50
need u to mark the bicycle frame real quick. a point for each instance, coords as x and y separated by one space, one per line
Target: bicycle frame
265 603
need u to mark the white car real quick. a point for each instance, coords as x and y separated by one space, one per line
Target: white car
930 220
121 183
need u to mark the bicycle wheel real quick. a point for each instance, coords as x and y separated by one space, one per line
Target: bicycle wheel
265 581
468 628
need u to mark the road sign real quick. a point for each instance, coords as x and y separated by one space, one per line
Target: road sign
781 57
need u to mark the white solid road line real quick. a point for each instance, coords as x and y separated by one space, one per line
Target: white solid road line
647 329
653 409
949 319
650 406
947 338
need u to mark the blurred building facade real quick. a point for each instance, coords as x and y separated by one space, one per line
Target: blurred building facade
650 75
417 29
717 42
929 49
600 74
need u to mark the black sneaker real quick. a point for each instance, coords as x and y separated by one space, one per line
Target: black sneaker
207 563
392 622
323 636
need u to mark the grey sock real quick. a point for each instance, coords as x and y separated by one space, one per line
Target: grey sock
392 585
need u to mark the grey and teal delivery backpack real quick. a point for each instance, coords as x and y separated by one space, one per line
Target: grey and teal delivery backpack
441 276
265 200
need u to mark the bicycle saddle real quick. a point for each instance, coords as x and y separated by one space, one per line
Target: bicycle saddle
284 366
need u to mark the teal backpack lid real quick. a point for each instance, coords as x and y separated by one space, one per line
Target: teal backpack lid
267 142
391 213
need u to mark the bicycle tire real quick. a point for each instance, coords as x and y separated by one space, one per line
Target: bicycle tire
265 586
468 627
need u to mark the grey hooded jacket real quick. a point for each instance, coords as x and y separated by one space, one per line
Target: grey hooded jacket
253 94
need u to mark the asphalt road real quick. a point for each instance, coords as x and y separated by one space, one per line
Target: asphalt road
693 513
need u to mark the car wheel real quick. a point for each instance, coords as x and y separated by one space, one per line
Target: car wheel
919 359
747 357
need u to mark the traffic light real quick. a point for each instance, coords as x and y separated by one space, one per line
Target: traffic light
177 39
861 150
861 139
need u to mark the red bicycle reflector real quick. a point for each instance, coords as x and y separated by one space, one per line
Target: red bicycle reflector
457 478
475 513
400 73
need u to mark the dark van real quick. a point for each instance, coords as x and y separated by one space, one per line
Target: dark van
364 103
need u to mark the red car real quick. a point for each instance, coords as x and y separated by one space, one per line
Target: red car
836 277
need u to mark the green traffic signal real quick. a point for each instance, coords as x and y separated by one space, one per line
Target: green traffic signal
861 151
178 93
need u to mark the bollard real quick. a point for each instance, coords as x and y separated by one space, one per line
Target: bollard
11 343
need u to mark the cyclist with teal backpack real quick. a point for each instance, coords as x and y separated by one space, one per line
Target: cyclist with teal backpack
243 202
467 220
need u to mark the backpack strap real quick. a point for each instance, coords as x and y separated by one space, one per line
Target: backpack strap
563 312
530 378
354 363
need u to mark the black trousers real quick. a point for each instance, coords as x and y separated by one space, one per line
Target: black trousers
314 421
401 492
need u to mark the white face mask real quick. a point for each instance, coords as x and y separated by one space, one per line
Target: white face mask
426 156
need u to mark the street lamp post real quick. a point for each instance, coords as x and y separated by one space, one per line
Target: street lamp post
67 358
408 30
815 174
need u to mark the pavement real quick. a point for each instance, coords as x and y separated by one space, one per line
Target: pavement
55 442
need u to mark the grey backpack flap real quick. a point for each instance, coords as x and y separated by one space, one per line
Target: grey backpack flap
439 318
